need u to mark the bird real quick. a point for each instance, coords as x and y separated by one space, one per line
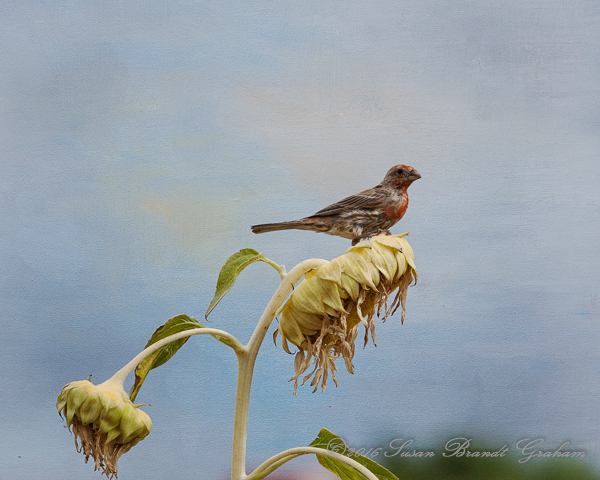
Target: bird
359 216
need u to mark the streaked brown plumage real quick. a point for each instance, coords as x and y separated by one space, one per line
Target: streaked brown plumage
365 214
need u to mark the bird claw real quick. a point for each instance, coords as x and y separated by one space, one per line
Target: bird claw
356 240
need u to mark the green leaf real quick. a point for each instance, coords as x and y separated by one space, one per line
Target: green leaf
232 268
330 441
174 325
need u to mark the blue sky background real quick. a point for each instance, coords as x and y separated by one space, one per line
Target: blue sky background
140 140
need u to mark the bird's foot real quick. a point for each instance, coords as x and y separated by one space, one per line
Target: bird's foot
380 232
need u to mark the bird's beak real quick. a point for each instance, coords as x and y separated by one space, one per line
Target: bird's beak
414 175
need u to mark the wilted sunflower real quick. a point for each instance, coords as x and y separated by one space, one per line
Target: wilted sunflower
103 418
322 314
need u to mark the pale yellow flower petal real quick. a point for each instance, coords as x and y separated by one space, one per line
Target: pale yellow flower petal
359 268
385 260
306 296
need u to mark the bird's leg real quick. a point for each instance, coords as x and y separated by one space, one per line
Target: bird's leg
379 232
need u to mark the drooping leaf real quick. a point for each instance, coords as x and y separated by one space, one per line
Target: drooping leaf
228 274
174 325
330 441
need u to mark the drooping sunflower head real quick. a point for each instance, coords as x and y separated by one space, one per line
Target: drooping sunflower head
104 420
322 314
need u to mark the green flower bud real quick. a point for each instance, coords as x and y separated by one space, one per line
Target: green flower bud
104 420
322 314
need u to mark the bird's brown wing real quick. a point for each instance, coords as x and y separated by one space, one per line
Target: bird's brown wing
368 200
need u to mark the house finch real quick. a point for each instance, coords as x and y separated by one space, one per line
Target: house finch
362 215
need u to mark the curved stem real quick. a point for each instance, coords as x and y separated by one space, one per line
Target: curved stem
277 460
259 474
246 360
276 266
220 335
286 285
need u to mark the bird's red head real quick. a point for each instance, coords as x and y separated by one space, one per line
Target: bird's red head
401 176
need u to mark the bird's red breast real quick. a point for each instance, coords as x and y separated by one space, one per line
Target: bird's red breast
396 210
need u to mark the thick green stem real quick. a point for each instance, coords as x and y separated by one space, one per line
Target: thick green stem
246 360
240 422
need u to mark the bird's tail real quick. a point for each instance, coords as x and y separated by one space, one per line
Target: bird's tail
272 227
